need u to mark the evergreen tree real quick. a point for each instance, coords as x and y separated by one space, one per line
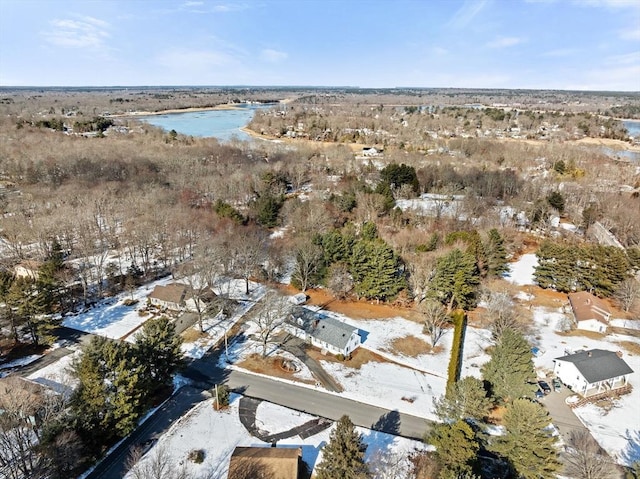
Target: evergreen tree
556 201
343 456
110 396
376 270
510 371
466 399
456 447
157 348
455 280
395 176
528 445
496 254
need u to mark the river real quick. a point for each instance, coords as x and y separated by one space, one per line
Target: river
221 124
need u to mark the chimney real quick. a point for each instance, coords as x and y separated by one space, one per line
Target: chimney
589 353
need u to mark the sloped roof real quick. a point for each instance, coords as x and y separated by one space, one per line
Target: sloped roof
324 328
598 364
272 462
171 293
586 306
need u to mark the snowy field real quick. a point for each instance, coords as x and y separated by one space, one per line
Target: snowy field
218 434
431 204
57 376
521 271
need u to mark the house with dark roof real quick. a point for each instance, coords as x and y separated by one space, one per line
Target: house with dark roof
271 462
324 332
592 372
590 312
176 297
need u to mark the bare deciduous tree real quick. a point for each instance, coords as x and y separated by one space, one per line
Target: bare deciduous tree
501 313
269 318
307 257
628 293
585 459
158 465
435 320
339 280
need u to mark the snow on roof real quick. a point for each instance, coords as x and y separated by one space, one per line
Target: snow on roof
598 364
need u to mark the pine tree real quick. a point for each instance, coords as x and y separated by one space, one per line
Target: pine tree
158 350
510 371
528 445
455 280
496 254
343 456
456 447
466 399
376 270
110 396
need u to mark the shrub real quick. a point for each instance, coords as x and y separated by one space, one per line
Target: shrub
196 455
455 362
340 357
130 302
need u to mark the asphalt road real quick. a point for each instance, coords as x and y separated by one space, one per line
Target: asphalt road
328 405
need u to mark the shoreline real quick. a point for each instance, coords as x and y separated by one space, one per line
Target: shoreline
190 109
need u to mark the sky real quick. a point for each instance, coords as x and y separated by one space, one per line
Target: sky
530 44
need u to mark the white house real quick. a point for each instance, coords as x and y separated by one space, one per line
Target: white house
590 312
592 372
323 332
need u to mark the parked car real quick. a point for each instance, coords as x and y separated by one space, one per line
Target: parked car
545 387
557 384
539 393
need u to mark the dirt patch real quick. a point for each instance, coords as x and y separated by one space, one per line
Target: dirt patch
359 309
271 366
546 297
359 357
412 346
496 415
583 333
631 347
192 334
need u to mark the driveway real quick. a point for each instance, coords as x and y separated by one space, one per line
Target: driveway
563 417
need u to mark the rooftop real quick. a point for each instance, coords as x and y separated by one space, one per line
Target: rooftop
598 364
323 328
587 306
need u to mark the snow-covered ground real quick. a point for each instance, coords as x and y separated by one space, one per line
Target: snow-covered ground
57 376
111 318
218 433
430 204
521 271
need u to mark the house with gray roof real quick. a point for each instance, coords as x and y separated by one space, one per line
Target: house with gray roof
322 331
592 372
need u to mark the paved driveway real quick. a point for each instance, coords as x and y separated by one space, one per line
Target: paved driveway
563 417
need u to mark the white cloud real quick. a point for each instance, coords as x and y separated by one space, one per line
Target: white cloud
609 3
83 32
193 4
273 56
466 13
632 33
632 58
503 42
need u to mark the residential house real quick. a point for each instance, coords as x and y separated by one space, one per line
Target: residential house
271 462
176 297
27 269
324 332
590 312
592 372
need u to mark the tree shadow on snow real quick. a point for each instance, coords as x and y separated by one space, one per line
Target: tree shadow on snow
631 453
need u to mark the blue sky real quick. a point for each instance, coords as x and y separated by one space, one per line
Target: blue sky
540 44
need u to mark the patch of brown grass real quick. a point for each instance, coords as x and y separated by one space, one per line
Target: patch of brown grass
359 357
412 346
546 297
496 415
192 334
271 366
583 333
631 347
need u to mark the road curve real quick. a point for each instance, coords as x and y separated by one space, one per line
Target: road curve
327 405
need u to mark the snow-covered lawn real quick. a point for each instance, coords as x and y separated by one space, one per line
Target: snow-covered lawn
521 271
219 433
111 318
57 376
